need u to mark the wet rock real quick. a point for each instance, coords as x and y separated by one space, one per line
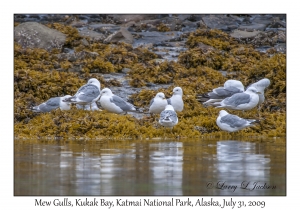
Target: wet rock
183 17
78 24
104 28
127 18
263 19
244 34
156 38
278 24
94 36
36 35
195 18
123 35
85 42
252 27
221 22
126 70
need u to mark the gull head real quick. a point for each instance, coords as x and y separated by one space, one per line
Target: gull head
94 81
160 95
222 113
234 83
177 91
261 85
253 90
64 98
106 92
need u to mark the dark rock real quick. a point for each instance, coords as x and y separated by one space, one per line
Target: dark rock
221 22
278 24
195 18
183 17
36 35
136 18
263 19
156 38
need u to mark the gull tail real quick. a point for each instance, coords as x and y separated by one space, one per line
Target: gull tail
202 97
70 99
252 122
35 109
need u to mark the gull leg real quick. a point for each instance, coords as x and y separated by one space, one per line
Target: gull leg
258 111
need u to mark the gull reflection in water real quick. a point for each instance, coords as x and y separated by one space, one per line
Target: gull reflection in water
239 163
166 165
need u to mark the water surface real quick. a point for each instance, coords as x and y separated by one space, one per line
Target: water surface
150 167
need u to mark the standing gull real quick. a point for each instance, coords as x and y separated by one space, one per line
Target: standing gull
51 104
240 101
113 103
158 103
218 94
176 99
168 117
86 94
232 123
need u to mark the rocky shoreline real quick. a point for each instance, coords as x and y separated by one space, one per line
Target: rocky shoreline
138 55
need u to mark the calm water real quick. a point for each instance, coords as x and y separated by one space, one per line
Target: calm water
141 167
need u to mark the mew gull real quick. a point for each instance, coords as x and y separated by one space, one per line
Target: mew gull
168 117
158 103
240 101
176 99
261 85
92 107
114 104
51 104
232 123
218 94
86 94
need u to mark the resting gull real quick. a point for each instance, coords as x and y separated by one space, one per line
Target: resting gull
232 123
168 117
113 103
158 103
218 94
261 85
176 99
51 104
86 94
240 101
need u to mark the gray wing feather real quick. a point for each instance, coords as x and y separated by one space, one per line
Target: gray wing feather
151 102
233 121
125 106
169 101
88 92
168 113
237 99
53 101
226 92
